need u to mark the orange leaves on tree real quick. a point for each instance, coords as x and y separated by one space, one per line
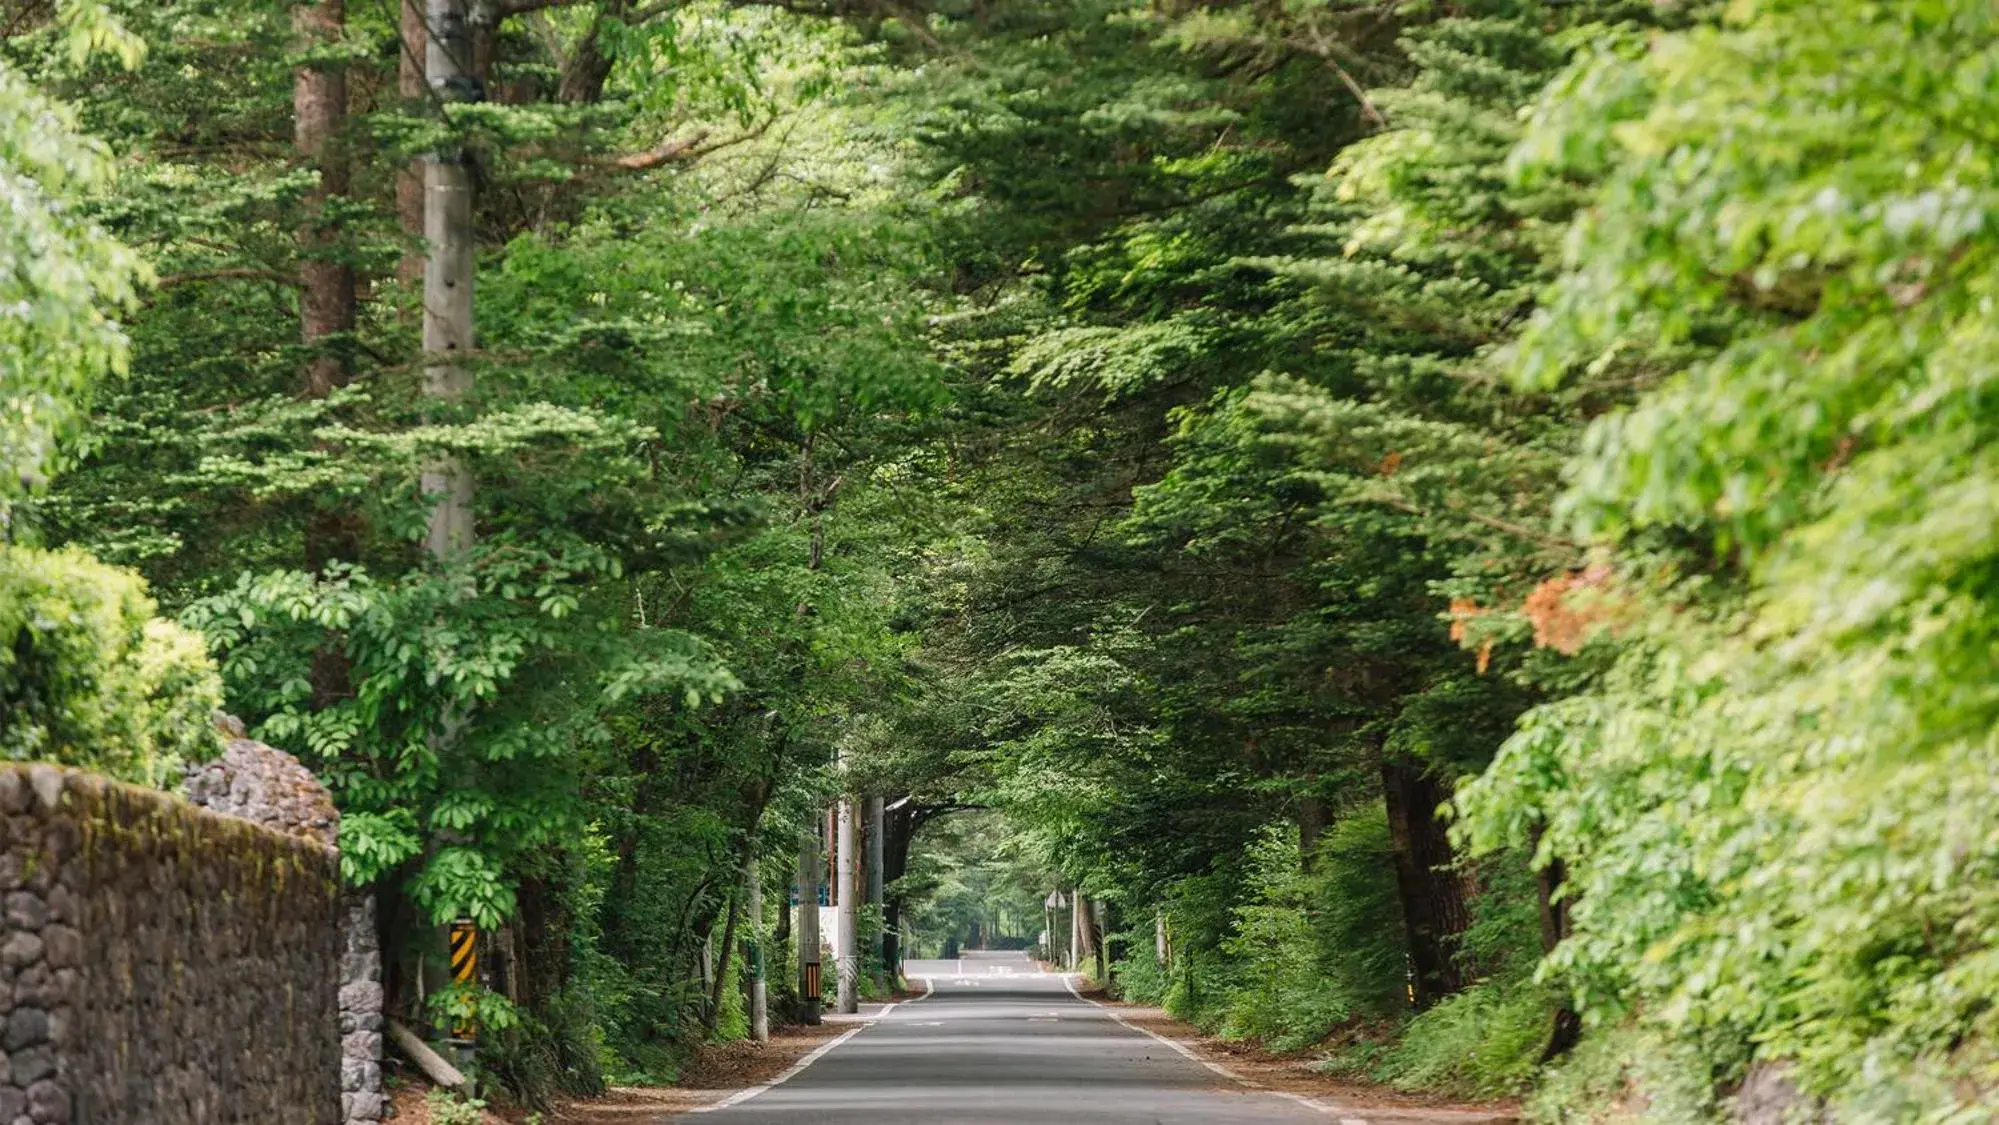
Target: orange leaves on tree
1463 611
1564 622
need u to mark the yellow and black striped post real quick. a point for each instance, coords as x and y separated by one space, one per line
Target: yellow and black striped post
465 971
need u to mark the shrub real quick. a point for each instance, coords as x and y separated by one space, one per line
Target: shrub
90 677
1484 1041
1300 953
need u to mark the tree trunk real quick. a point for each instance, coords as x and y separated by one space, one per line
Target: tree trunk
808 928
319 110
721 968
1567 1027
1100 914
1432 890
326 294
448 273
871 875
1075 929
1088 949
847 951
1313 818
898 828
412 87
588 65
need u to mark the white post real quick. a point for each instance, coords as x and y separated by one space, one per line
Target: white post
808 926
759 990
846 952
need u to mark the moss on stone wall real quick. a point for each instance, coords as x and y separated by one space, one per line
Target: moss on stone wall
182 967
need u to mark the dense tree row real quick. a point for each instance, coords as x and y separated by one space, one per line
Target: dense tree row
1462 529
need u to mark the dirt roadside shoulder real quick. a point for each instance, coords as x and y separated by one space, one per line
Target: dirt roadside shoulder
1350 1102
715 1072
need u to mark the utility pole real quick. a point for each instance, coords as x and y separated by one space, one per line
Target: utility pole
448 272
447 288
753 951
871 882
846 953
808 927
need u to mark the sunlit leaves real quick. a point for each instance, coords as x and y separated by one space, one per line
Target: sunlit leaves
1777 808
64 279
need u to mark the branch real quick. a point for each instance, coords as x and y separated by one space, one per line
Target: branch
522 7
680 151
1508 527
430 1062
1324 50
670 152
245 273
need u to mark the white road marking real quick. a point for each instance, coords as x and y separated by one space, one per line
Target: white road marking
819 1052
1070 980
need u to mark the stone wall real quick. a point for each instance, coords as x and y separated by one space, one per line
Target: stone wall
159 961
267 786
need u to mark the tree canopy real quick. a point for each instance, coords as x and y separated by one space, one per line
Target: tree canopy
1464 529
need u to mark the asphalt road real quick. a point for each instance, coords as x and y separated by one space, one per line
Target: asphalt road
998 1043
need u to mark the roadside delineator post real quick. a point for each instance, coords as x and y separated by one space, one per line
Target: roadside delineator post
464 973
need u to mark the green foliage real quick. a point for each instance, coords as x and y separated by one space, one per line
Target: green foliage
1297 979
63 274
447 1108
1487 1041
1165 427
1770 806
91 677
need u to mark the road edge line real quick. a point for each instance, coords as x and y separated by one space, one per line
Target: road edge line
813 1056
1193 1056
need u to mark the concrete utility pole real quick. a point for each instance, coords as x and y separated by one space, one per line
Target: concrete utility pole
754 954
871 882
808 928
447 273
846 953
